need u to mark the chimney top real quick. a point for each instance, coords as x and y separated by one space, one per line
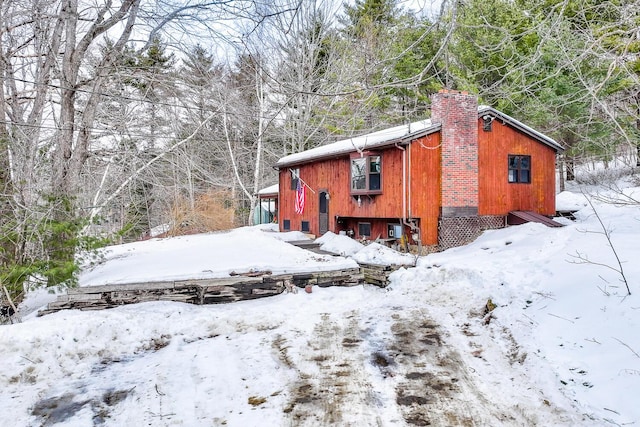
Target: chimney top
454 92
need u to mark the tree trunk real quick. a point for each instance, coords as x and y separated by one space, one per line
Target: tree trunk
561 172
638 142
8 224
256 170
71 147
571 171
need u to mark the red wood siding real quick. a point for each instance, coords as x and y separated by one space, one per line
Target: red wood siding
334 176
496 195
425 185
424 199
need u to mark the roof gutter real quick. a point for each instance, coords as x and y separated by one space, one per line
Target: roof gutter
335 155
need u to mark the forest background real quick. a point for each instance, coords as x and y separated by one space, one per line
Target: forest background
123 115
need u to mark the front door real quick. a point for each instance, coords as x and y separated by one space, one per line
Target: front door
323 203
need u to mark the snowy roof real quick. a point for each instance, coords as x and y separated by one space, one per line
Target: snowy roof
272 189
402 133
369 141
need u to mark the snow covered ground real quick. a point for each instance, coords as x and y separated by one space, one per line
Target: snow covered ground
560 348
204 256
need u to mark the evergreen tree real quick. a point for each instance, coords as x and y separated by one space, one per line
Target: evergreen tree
417 70
570 80
370 31
201 162
306 74
491 51
149 73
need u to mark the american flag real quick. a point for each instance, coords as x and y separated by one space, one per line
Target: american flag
300 197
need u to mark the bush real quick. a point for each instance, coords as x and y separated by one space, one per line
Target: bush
211 211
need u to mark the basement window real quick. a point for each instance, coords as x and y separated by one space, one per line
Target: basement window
286 224
364 229
519 169
366 174
304 227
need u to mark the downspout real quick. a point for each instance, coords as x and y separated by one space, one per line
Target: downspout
407 218
412 223
409 182
404 183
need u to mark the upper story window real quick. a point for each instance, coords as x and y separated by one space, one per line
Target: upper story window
295 176
520 169
366 174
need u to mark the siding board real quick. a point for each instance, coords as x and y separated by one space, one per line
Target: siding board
496 195
425 184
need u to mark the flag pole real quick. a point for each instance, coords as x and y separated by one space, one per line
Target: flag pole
301 180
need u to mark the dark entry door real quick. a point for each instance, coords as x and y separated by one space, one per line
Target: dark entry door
323 224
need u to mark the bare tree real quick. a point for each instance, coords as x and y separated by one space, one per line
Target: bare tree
60 149
581 258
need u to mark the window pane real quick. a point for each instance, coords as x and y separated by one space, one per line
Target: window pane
358 177
304 226
374 181
323 202
524 162
513 162
524 175
374 164
364 229
513 175
295 174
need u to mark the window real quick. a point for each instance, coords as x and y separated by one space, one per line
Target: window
520 169
364 229
324 201
286 224
366 175
305 226
295 176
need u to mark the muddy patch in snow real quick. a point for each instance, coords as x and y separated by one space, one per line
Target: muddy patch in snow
54 410
427 391
332 382
401 371
58 409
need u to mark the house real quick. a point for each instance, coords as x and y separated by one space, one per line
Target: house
267 210
436 182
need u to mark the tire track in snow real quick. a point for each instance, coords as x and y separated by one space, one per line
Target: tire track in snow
350 371
433 385
332 386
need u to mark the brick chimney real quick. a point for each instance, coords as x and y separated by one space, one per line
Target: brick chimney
458 114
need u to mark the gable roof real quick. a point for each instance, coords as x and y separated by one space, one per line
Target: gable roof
382 138
399 135
484 110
